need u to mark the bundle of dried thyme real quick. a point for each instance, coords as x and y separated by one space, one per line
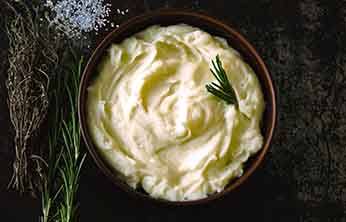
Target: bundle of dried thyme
33 59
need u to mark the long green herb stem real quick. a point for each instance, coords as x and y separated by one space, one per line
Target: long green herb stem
65 157
51 187
72 159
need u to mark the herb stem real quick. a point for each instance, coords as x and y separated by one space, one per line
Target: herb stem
59 198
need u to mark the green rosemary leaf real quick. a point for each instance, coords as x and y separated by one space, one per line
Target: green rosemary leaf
223 89
224 96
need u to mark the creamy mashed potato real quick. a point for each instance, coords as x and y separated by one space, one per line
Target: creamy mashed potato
153 120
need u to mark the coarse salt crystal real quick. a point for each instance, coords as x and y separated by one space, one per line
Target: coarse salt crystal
75 17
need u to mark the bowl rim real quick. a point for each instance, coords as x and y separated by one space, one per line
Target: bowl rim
97 54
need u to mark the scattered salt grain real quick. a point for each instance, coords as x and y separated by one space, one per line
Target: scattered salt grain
122 12
77 17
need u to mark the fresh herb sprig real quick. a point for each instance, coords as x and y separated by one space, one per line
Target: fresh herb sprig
223 89
51 185
65 155
72 158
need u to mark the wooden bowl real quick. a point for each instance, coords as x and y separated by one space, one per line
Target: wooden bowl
212 26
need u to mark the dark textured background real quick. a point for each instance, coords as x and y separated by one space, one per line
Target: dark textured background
303 177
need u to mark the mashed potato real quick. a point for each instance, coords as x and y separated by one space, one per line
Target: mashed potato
152 119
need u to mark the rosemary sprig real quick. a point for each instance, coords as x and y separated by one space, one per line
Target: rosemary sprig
72 159
223 89
51 186
65 157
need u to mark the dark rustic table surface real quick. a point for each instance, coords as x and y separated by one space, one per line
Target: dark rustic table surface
303 177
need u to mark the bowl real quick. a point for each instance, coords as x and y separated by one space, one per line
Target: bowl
214 27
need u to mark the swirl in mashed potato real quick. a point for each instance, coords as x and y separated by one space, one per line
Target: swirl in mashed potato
151 118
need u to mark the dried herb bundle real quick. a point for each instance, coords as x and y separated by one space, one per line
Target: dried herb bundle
33 57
